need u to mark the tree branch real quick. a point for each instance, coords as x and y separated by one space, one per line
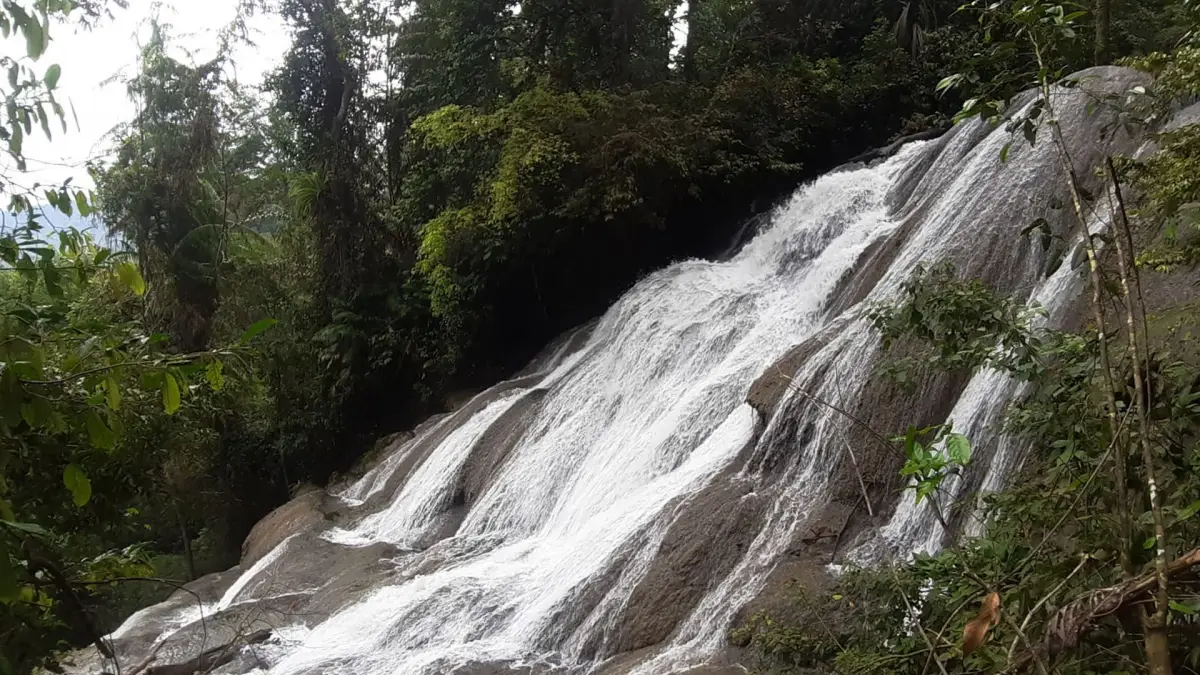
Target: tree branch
1077 618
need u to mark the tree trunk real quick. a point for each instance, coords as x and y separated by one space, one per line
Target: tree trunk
188 557
1158 652
693 41
623 25
1158 646
1103 30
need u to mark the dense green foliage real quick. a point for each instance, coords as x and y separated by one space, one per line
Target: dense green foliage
1050 537
1107 498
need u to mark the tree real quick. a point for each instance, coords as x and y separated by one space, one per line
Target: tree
158 194
320 93
1103 29
691 46
452 52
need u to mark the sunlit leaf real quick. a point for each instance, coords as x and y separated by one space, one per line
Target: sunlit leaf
79 485
255 330
25 528
948 83
112 391
53 73
170 394
129 275
958 448
81 203
215 375
100 434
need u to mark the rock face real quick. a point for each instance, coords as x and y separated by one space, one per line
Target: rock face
649 479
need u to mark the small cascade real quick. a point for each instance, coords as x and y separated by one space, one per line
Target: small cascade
428 491
979 414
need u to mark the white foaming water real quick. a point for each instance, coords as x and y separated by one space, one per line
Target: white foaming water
616 436
978 414
253 576
375 480
427 491
703 633
648 411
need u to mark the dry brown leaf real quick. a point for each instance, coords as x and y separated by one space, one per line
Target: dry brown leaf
977 629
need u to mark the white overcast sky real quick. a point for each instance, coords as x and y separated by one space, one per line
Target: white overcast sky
90 58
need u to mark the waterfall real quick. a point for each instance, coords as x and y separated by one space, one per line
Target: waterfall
574 518
649 410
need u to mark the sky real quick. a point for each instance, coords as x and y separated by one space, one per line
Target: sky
93 63
92 60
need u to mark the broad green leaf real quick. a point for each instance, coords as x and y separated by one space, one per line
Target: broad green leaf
44 120
170 394
79 485
1030 132
6 512
52 277
85 208
1149 543
17 140
1182 608
35 38
102 437
129 275
26 528
215 375
53 73
1004 152
255 330
9 590
38 413
112 391
958 448
29 414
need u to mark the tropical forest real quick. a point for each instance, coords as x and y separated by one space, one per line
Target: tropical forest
611 337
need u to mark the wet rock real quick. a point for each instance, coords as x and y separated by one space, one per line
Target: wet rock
770 387
306 512
210 659
494 446
709 535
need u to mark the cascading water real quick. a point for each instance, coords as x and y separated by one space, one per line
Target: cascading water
524 530
649 409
